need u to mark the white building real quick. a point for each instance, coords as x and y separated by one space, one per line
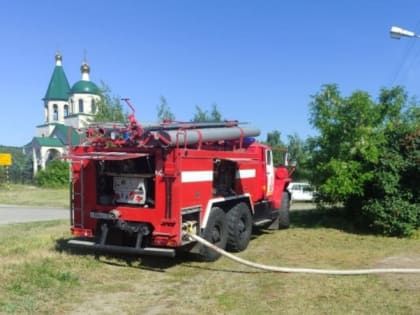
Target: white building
66 109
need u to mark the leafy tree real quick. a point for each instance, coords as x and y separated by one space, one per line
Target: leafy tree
21 169
200 115
347 144
215 115
203 115
27 170
366 156
163 111
279 148
299 152
274 139
393 205
297 149
109 108
55 175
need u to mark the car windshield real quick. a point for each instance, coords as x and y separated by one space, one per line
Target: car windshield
307 188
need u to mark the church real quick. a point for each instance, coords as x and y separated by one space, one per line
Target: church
66 110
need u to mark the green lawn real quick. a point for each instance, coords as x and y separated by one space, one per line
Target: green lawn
35 196
39 274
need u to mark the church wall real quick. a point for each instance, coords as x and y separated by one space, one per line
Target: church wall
44 130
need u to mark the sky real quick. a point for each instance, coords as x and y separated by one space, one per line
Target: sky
259 61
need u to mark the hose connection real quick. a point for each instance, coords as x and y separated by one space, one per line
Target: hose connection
189 228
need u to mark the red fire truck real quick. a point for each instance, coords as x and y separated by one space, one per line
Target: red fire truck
141 189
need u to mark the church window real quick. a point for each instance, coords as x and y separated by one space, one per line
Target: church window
71 106
55 112
80 106
66 110
93 104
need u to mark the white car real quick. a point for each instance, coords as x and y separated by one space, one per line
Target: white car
301 192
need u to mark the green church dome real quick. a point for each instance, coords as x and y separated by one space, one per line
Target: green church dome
85 87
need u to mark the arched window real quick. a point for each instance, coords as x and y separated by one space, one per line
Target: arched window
71 106
66 110
55 112
80 106
93 106
47 113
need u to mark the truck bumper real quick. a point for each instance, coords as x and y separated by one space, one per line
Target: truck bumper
153 251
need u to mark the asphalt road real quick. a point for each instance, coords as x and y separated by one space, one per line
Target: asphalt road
16 214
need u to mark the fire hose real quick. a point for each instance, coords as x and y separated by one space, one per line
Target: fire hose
301 270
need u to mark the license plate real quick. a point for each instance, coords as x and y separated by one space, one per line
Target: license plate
101 215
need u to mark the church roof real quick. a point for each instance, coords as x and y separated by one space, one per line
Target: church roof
85 87
59 87
48 142
61 135
66 133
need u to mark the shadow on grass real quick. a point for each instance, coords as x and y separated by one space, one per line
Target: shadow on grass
145 262
335 218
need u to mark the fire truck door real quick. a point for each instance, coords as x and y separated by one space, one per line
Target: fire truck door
269 171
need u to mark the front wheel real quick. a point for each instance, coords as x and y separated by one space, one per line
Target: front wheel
216 233
284 211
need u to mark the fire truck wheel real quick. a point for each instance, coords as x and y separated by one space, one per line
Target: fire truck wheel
216 233
284 220
239 221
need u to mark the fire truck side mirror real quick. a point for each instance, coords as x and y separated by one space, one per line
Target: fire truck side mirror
289 162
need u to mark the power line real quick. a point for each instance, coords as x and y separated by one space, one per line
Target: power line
403 63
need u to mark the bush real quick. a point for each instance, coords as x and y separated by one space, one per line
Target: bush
55 175
392 216
367 157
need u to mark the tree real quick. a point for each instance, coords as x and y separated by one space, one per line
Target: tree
109 108
274 141
21 169
215 115
55 175
393 199
164 112
365 156
200 115
297 149
203 115
299 152
347 145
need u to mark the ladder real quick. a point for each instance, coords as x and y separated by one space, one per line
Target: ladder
77 196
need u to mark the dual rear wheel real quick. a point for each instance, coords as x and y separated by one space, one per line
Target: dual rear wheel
231 230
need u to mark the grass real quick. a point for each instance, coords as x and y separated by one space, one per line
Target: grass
40 274
34 196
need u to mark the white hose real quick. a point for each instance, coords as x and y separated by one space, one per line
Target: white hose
301 270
